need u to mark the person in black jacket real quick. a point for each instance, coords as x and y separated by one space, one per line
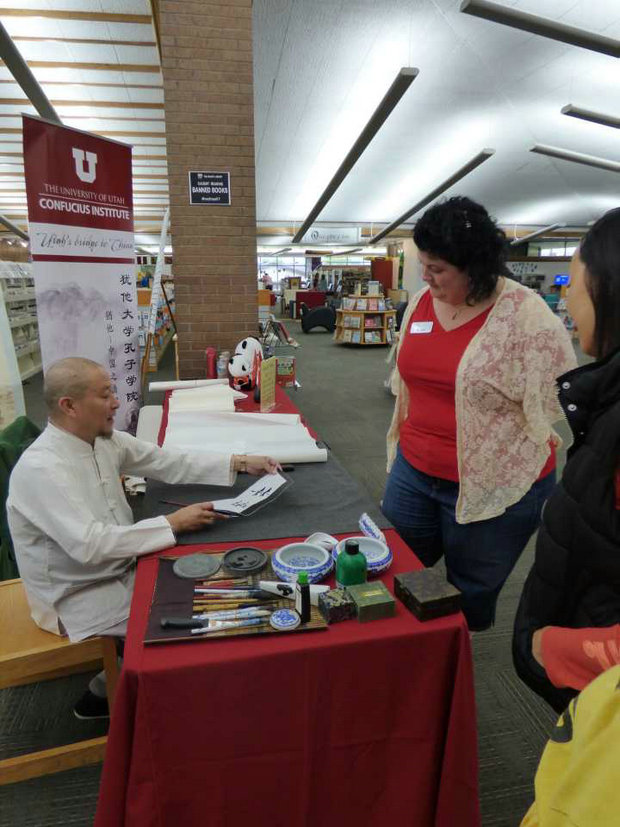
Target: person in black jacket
567 627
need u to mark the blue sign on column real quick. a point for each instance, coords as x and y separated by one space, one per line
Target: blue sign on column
209 188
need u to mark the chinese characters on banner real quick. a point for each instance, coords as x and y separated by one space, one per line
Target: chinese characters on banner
80 214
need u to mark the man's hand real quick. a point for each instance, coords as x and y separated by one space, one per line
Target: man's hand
262 465
255 465
194 517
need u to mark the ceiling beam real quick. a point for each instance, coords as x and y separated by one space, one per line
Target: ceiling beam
98 85
156 25
87 41
399 86
18 67
101 17
99 117
97 67
543 26
99 104
478 159
14 130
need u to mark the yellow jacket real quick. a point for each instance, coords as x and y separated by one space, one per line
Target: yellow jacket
578 778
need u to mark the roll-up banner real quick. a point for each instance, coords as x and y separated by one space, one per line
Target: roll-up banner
80 215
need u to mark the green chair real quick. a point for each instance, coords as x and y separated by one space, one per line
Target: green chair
14 440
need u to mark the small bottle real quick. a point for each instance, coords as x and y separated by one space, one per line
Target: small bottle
351 566
222 364
302 596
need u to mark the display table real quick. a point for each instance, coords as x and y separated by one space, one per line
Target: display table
368 724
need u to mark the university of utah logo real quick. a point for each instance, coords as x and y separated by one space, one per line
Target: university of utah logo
88 174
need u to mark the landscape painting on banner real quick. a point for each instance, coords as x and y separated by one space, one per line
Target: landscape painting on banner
80 215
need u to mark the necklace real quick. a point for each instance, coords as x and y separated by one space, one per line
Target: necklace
456 313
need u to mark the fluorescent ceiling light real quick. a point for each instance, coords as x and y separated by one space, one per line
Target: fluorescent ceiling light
576 157
542 26
517 241
277 252
399 86
593 117
480 158
347 252
10 226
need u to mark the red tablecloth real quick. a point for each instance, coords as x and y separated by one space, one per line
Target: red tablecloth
366 724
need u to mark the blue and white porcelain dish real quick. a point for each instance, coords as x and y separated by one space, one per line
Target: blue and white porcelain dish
289 560
284 620
378 555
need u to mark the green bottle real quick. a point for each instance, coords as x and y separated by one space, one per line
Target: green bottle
351 565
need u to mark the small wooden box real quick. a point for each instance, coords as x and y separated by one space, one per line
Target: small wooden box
427 594
336 605
372 601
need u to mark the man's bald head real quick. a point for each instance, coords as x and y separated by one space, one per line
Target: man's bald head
69 377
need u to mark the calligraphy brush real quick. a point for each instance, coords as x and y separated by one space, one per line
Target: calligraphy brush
244 604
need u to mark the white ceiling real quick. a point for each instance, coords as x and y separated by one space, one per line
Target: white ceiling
322 66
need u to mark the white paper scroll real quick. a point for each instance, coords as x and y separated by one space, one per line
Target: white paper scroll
185 383
280 436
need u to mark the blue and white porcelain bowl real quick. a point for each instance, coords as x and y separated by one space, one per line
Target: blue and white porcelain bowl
289 560
378 555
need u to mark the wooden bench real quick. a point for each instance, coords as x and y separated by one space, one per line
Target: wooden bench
28 655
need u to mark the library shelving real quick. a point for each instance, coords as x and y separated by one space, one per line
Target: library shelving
17 286
365 320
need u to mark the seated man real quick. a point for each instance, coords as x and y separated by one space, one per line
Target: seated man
73 531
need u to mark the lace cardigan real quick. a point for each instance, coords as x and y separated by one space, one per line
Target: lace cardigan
506 401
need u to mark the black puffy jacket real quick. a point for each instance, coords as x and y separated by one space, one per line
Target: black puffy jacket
575 579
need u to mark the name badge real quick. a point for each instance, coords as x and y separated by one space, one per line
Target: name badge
421 327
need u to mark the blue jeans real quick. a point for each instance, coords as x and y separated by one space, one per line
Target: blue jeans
479 556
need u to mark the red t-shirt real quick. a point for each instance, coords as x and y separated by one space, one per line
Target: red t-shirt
427 362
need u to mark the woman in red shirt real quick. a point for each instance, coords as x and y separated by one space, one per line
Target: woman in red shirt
478 356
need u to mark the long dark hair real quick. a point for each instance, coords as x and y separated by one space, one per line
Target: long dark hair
600 253
460 231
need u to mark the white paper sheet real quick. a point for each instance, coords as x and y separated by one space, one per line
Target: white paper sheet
258 493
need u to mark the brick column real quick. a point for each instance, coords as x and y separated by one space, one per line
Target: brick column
208 85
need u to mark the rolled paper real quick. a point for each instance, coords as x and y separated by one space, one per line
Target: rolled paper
185 383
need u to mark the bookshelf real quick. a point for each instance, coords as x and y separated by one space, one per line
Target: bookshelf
365 320
164 330
17 287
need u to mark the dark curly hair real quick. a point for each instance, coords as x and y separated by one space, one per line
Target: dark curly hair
600 253
461 232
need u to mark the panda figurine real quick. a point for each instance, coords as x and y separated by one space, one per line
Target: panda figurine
244 367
